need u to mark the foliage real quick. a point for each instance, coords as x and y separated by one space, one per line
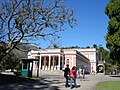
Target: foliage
104 54
88 47
104 57
70 47
94 46
28 20
9 62
54 42
109 68
112 10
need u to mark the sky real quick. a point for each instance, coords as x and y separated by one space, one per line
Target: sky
91 25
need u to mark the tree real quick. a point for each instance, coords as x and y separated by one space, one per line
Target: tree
54 42
94 46
9 62
27 20
112 10
88 47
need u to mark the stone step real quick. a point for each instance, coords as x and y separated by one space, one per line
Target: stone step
52 72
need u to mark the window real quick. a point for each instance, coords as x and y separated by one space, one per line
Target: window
67 61
25 65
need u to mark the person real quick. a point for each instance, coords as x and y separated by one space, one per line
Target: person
78 73
66 74
83 73
73 76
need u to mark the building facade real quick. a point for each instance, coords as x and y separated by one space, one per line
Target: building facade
57 59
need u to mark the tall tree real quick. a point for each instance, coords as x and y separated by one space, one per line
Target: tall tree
26 20
112 10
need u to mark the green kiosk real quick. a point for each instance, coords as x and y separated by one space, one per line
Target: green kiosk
27 67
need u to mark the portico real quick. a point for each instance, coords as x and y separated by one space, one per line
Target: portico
48 60
51 62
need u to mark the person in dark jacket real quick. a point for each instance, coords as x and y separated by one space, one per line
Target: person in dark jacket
66 74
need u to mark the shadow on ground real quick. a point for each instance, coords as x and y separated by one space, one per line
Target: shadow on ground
10 82
20 83
115 76
31 85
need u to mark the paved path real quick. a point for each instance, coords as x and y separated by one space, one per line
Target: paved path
57 82
88 83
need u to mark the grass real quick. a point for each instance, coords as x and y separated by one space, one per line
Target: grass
7 79
108 85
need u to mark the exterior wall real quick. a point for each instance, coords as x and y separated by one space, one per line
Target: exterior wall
82 58
72 60
91 54
81 63
76 59
71 56
35 68
92 57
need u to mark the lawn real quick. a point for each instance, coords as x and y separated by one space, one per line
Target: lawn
7 79
108 85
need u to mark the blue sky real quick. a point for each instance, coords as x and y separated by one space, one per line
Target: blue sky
91 27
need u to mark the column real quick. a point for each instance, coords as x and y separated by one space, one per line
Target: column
44 63
39 65
58 68
49 62
42 58
65 62
53 62
62 62
72 60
